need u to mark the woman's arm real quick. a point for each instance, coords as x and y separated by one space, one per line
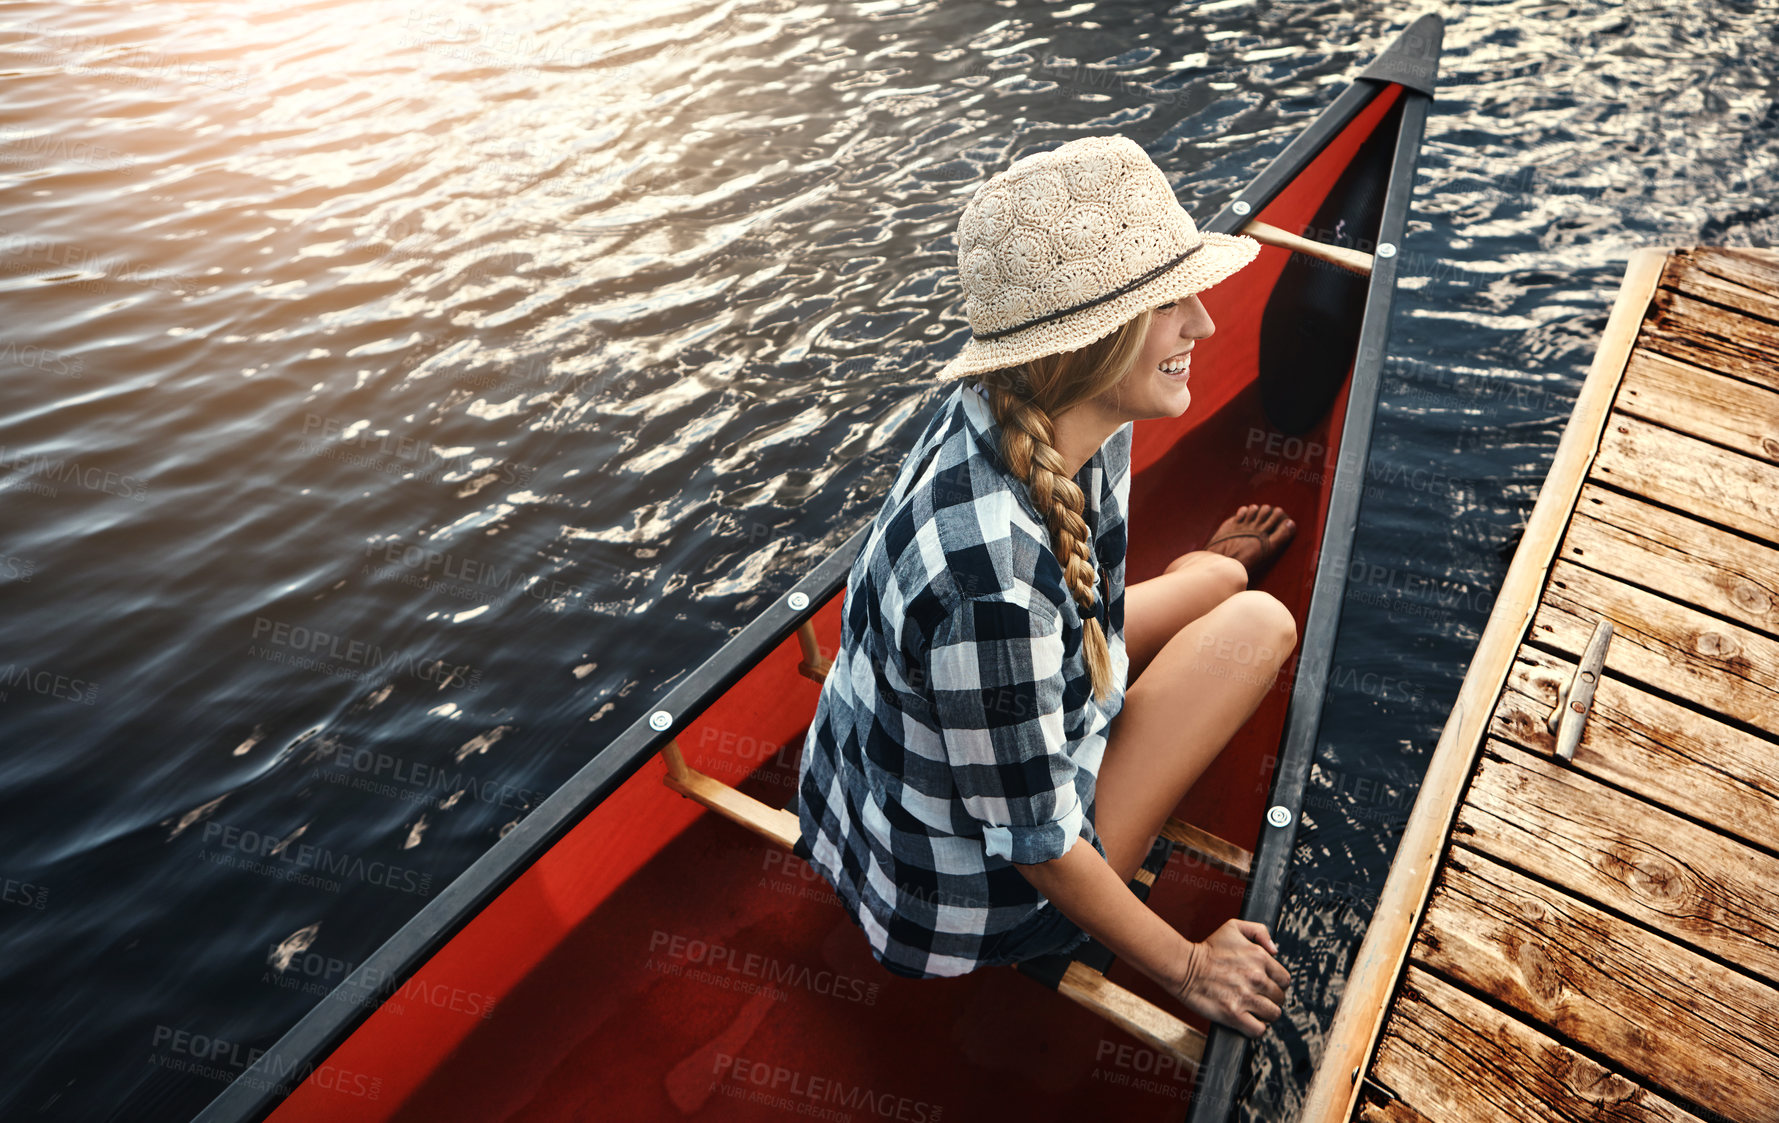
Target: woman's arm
1230 978
998 697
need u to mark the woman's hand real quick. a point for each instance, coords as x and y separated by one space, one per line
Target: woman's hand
1232 978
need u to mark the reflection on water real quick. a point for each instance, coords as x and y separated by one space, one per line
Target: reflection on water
400 396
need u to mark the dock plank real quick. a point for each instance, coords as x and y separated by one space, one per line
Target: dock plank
1692 884
1701 333
1704 1033
1667 753
1754 267
1663 644
1371 1109
1701 403
1687 560
1449 1055
1747 284
1688 474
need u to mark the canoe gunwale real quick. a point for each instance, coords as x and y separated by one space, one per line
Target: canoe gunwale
1226 1050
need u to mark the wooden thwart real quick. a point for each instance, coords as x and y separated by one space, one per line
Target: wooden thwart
1118 1005
781 826
773 823
1208 848
814 665
1135 1015
1355 261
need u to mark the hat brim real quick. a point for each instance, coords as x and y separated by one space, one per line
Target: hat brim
1223 255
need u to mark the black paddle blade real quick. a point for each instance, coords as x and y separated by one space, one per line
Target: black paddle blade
1309 332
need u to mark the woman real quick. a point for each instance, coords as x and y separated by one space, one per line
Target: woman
979 785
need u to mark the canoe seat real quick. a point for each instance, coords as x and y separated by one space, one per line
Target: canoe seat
813 666
1082 977
774 823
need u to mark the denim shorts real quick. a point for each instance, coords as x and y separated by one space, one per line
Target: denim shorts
1045 932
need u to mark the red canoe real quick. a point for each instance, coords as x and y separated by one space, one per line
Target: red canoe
623 955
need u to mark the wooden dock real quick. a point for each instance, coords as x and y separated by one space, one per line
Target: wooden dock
1598 938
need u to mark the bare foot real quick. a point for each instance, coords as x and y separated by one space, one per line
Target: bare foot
1254 536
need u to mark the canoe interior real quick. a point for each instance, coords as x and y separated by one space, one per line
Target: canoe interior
660 962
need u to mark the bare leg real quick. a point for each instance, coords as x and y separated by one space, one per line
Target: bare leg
1155 610
1204 683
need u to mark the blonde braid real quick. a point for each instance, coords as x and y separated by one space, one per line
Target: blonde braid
1028 445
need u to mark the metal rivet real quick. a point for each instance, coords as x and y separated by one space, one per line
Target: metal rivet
660 720
1278 815
1386 249
799 601
1240 206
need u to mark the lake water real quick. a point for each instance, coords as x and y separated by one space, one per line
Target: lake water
403 391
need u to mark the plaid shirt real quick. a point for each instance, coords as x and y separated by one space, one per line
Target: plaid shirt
957 732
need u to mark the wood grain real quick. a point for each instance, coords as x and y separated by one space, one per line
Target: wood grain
1334 1089
1215 852
1449 1055
1133 1013
1662 751
1748 285
1663 644
1697 332
1373 1108
1756 270
1702 1031
1701 403
1690 475
1692 884
1602 927
1706 566
776 824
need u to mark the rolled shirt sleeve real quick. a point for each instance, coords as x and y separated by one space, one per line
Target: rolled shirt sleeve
997 682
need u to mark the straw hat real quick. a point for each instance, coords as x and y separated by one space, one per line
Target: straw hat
1061 247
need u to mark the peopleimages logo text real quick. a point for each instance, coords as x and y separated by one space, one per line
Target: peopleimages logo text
344 652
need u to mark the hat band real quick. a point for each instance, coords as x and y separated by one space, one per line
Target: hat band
1073 308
